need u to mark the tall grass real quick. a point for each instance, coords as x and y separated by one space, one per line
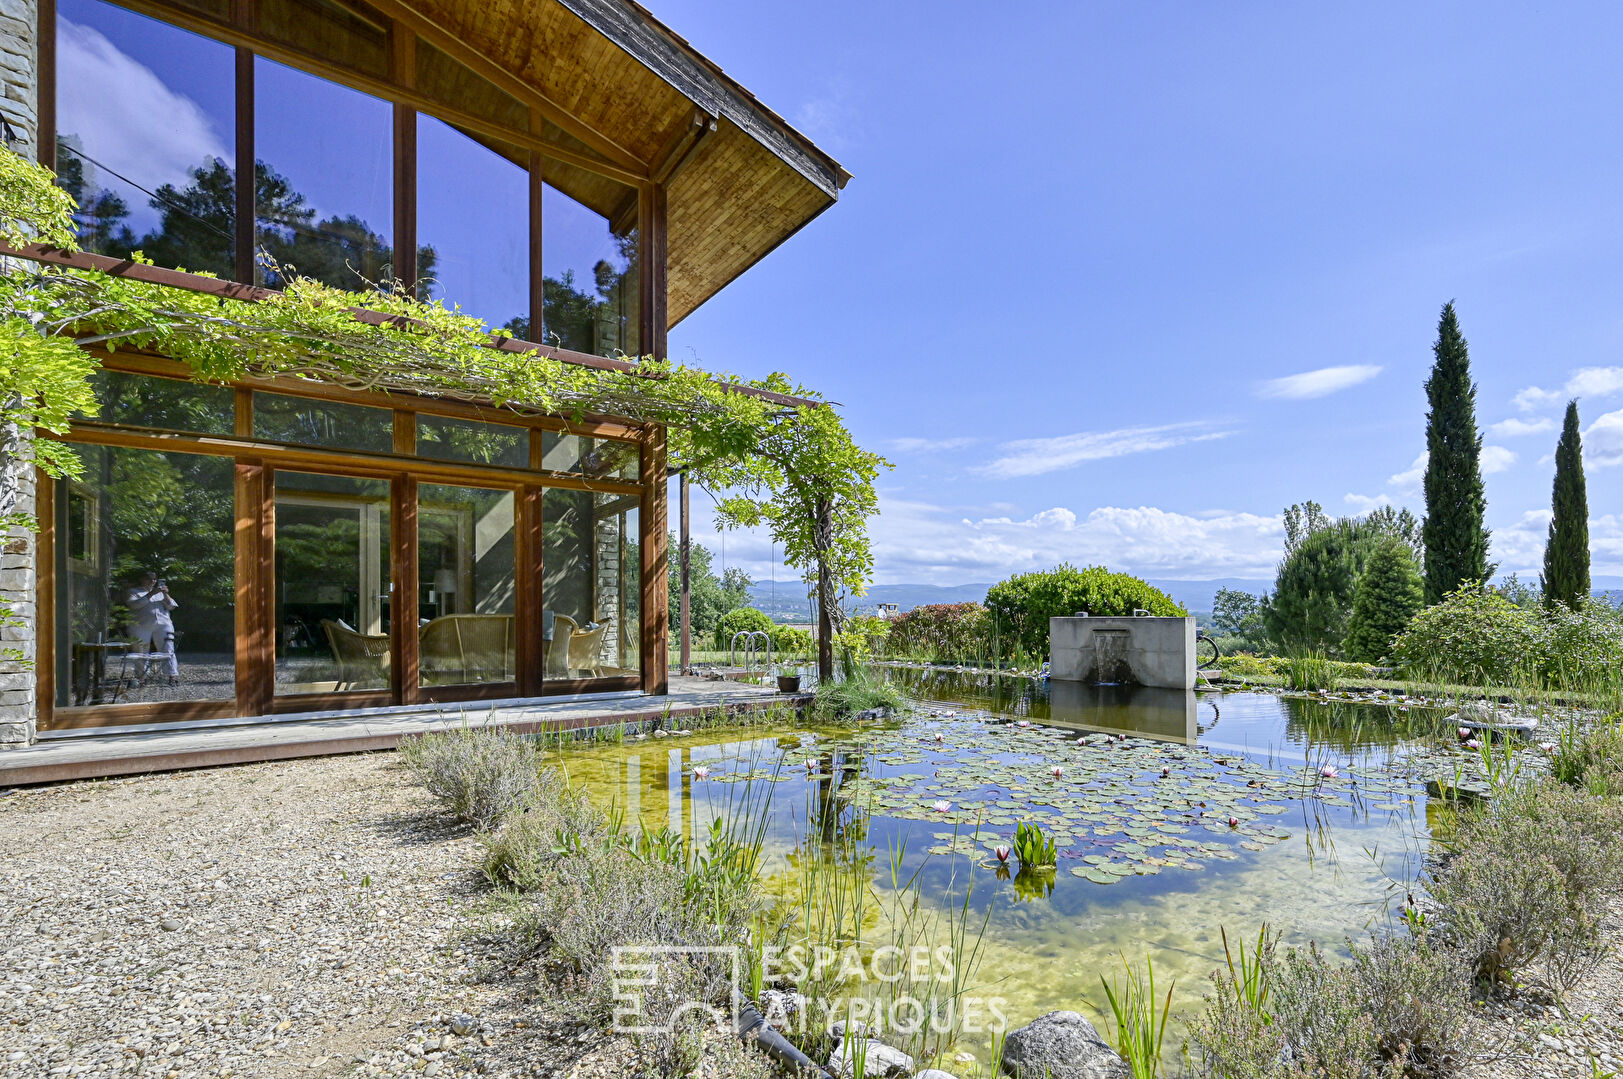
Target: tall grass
1140 1017
1308 671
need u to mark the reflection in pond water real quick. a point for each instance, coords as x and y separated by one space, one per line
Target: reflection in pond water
1175 815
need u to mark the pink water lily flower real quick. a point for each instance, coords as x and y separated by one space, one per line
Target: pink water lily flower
1056 771
1465 732
1165 772
1002 850
1472 743
1329 772
1023 723
700 772
1234 822
1081 741
939 737
943 807
1548 747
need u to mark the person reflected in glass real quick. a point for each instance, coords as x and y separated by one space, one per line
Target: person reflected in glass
152 627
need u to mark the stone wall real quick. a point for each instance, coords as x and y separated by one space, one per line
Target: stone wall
1158 652
18 91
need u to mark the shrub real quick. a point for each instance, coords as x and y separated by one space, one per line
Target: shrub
789 641
941 631
863 637
740 620
520 853
1583 646
1388 594
482 774
1535 869
1400 1008
1591 759
1474 636
1022 605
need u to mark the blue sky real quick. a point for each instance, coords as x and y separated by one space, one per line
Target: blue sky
1113 282
1116 282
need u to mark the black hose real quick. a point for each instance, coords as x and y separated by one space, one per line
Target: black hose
751 1026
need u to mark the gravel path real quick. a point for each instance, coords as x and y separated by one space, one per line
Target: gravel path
289 918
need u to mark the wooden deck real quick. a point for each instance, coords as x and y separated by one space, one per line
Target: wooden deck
85 755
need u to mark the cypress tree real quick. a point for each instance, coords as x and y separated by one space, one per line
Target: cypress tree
1387 596
1455 539
1566 553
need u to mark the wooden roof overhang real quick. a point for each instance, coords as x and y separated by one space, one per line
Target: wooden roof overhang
231 290
641 105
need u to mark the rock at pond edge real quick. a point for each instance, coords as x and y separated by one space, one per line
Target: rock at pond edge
1060 1045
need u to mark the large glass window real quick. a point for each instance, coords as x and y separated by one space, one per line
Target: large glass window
598 458
472 441
167 404
466 585
145 135
333 583
309 422
480 245
325 179
145 583
589 263
590 592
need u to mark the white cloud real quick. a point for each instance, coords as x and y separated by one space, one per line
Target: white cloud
1409 479
123 114
1603 442
1320 383
930 445
1532 398
1365 503
1519 547
1515 428
1496 459
920 542
1038 456
1585 382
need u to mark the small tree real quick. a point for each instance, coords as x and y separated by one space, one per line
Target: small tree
1388 595
1566 553
1313 591
1455 538
1239 614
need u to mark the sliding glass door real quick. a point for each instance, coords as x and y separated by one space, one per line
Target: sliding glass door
333 584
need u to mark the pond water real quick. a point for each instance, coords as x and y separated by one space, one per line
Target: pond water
1176 815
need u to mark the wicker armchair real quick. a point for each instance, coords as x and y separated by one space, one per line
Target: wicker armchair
586 650
456 649
556 663
362 658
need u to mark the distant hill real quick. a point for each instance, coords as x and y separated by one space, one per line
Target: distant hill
791 604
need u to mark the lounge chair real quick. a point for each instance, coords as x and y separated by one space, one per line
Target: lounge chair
586 651
362 658
458 649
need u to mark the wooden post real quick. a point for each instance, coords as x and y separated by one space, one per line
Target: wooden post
654 520
246 233
687 583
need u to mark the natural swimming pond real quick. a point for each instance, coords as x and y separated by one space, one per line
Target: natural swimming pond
1176 815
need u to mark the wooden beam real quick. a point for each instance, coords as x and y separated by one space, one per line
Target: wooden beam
45 74
475 61
403 58
255 646
652 256
537 254
355 462
403 601
247 214
655 583
684 146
